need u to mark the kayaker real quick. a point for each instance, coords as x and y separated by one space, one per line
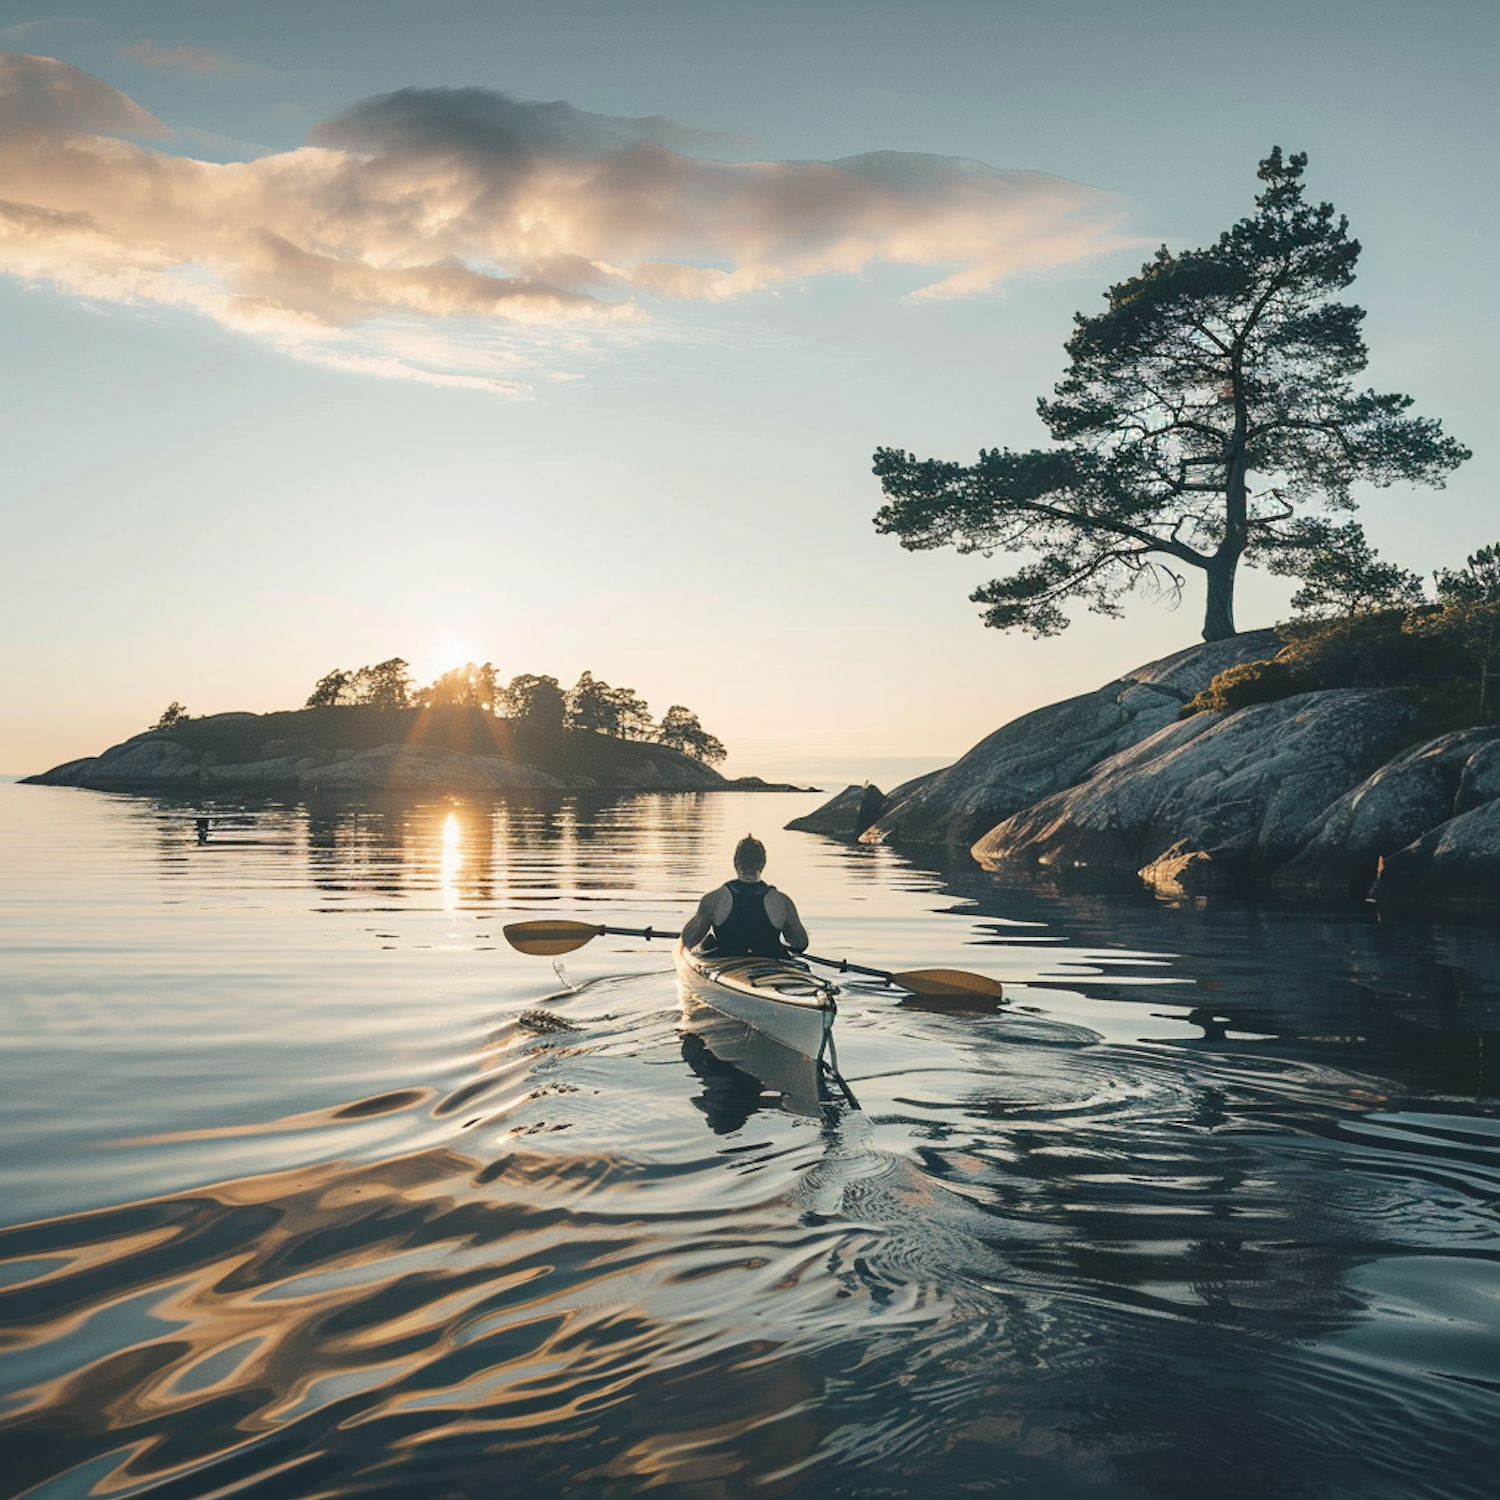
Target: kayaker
745 915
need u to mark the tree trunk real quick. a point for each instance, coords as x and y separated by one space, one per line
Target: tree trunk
1218 619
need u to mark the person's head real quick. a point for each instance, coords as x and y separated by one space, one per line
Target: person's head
749 858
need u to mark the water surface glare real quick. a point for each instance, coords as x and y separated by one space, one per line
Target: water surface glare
311 1187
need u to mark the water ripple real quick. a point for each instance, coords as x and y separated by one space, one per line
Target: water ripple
411 1222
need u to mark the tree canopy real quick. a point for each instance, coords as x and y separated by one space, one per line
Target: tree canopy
1201 414
596 705
467 686
388 684
681 730
540 703
537 701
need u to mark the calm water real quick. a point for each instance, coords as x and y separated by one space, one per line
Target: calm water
311 1187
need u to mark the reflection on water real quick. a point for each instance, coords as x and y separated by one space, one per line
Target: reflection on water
315 1188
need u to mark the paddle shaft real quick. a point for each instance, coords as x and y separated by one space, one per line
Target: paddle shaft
845 967
841 964
552 937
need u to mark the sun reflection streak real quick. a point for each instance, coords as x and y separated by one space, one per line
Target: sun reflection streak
452 859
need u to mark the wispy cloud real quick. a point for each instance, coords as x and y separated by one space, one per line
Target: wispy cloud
183 58
180 59
457 209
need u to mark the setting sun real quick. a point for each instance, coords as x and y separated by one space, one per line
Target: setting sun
444 654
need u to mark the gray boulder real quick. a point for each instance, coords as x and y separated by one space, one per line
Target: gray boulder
1055 747
404 768
145 762
1454 867
1388 810
844 816
69 773
1241 788
1480 782
255 776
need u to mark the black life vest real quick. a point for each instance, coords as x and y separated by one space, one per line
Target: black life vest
747 928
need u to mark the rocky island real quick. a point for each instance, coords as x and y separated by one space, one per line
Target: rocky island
1169 777
374 730
361 748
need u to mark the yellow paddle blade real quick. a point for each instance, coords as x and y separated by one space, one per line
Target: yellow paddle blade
549 937
949 984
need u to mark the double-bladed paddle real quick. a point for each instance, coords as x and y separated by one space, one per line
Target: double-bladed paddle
551 937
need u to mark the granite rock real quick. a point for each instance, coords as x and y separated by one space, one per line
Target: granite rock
1480 782
844 816
145 762
1242 788
1385 812
1055 747
1453 867
404 768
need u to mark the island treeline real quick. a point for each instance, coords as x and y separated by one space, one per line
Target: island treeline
537 703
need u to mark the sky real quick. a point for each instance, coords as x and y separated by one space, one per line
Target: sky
561 335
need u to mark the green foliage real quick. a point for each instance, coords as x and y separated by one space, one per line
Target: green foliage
535 703
1467 621
1340 571
1240 686
332 690
1446 657
1375 649
538 702
1477 582
1209 368
681 730
387 684
467 686
171 716
595 705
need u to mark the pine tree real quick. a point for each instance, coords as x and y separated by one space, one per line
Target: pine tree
1203 411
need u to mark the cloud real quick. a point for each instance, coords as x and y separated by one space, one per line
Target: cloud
181 59
44 96
493 223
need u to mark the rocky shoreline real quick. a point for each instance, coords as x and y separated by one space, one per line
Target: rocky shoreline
435 752
1328 795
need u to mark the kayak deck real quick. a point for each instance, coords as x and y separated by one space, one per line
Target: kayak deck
779 997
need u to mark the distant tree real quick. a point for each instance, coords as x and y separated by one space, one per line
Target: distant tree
1340 572
591 705
633 719
467 686
1211 367
388 684
485 688
538 702
332 690
594 705
681 730
173 714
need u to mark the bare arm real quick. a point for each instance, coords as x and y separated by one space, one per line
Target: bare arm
782 911
714 907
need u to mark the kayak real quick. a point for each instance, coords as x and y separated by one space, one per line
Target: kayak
779 997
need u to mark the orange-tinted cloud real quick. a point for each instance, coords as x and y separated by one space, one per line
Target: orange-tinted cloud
181 59
435 205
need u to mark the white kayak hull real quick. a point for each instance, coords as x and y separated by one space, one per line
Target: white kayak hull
780 998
